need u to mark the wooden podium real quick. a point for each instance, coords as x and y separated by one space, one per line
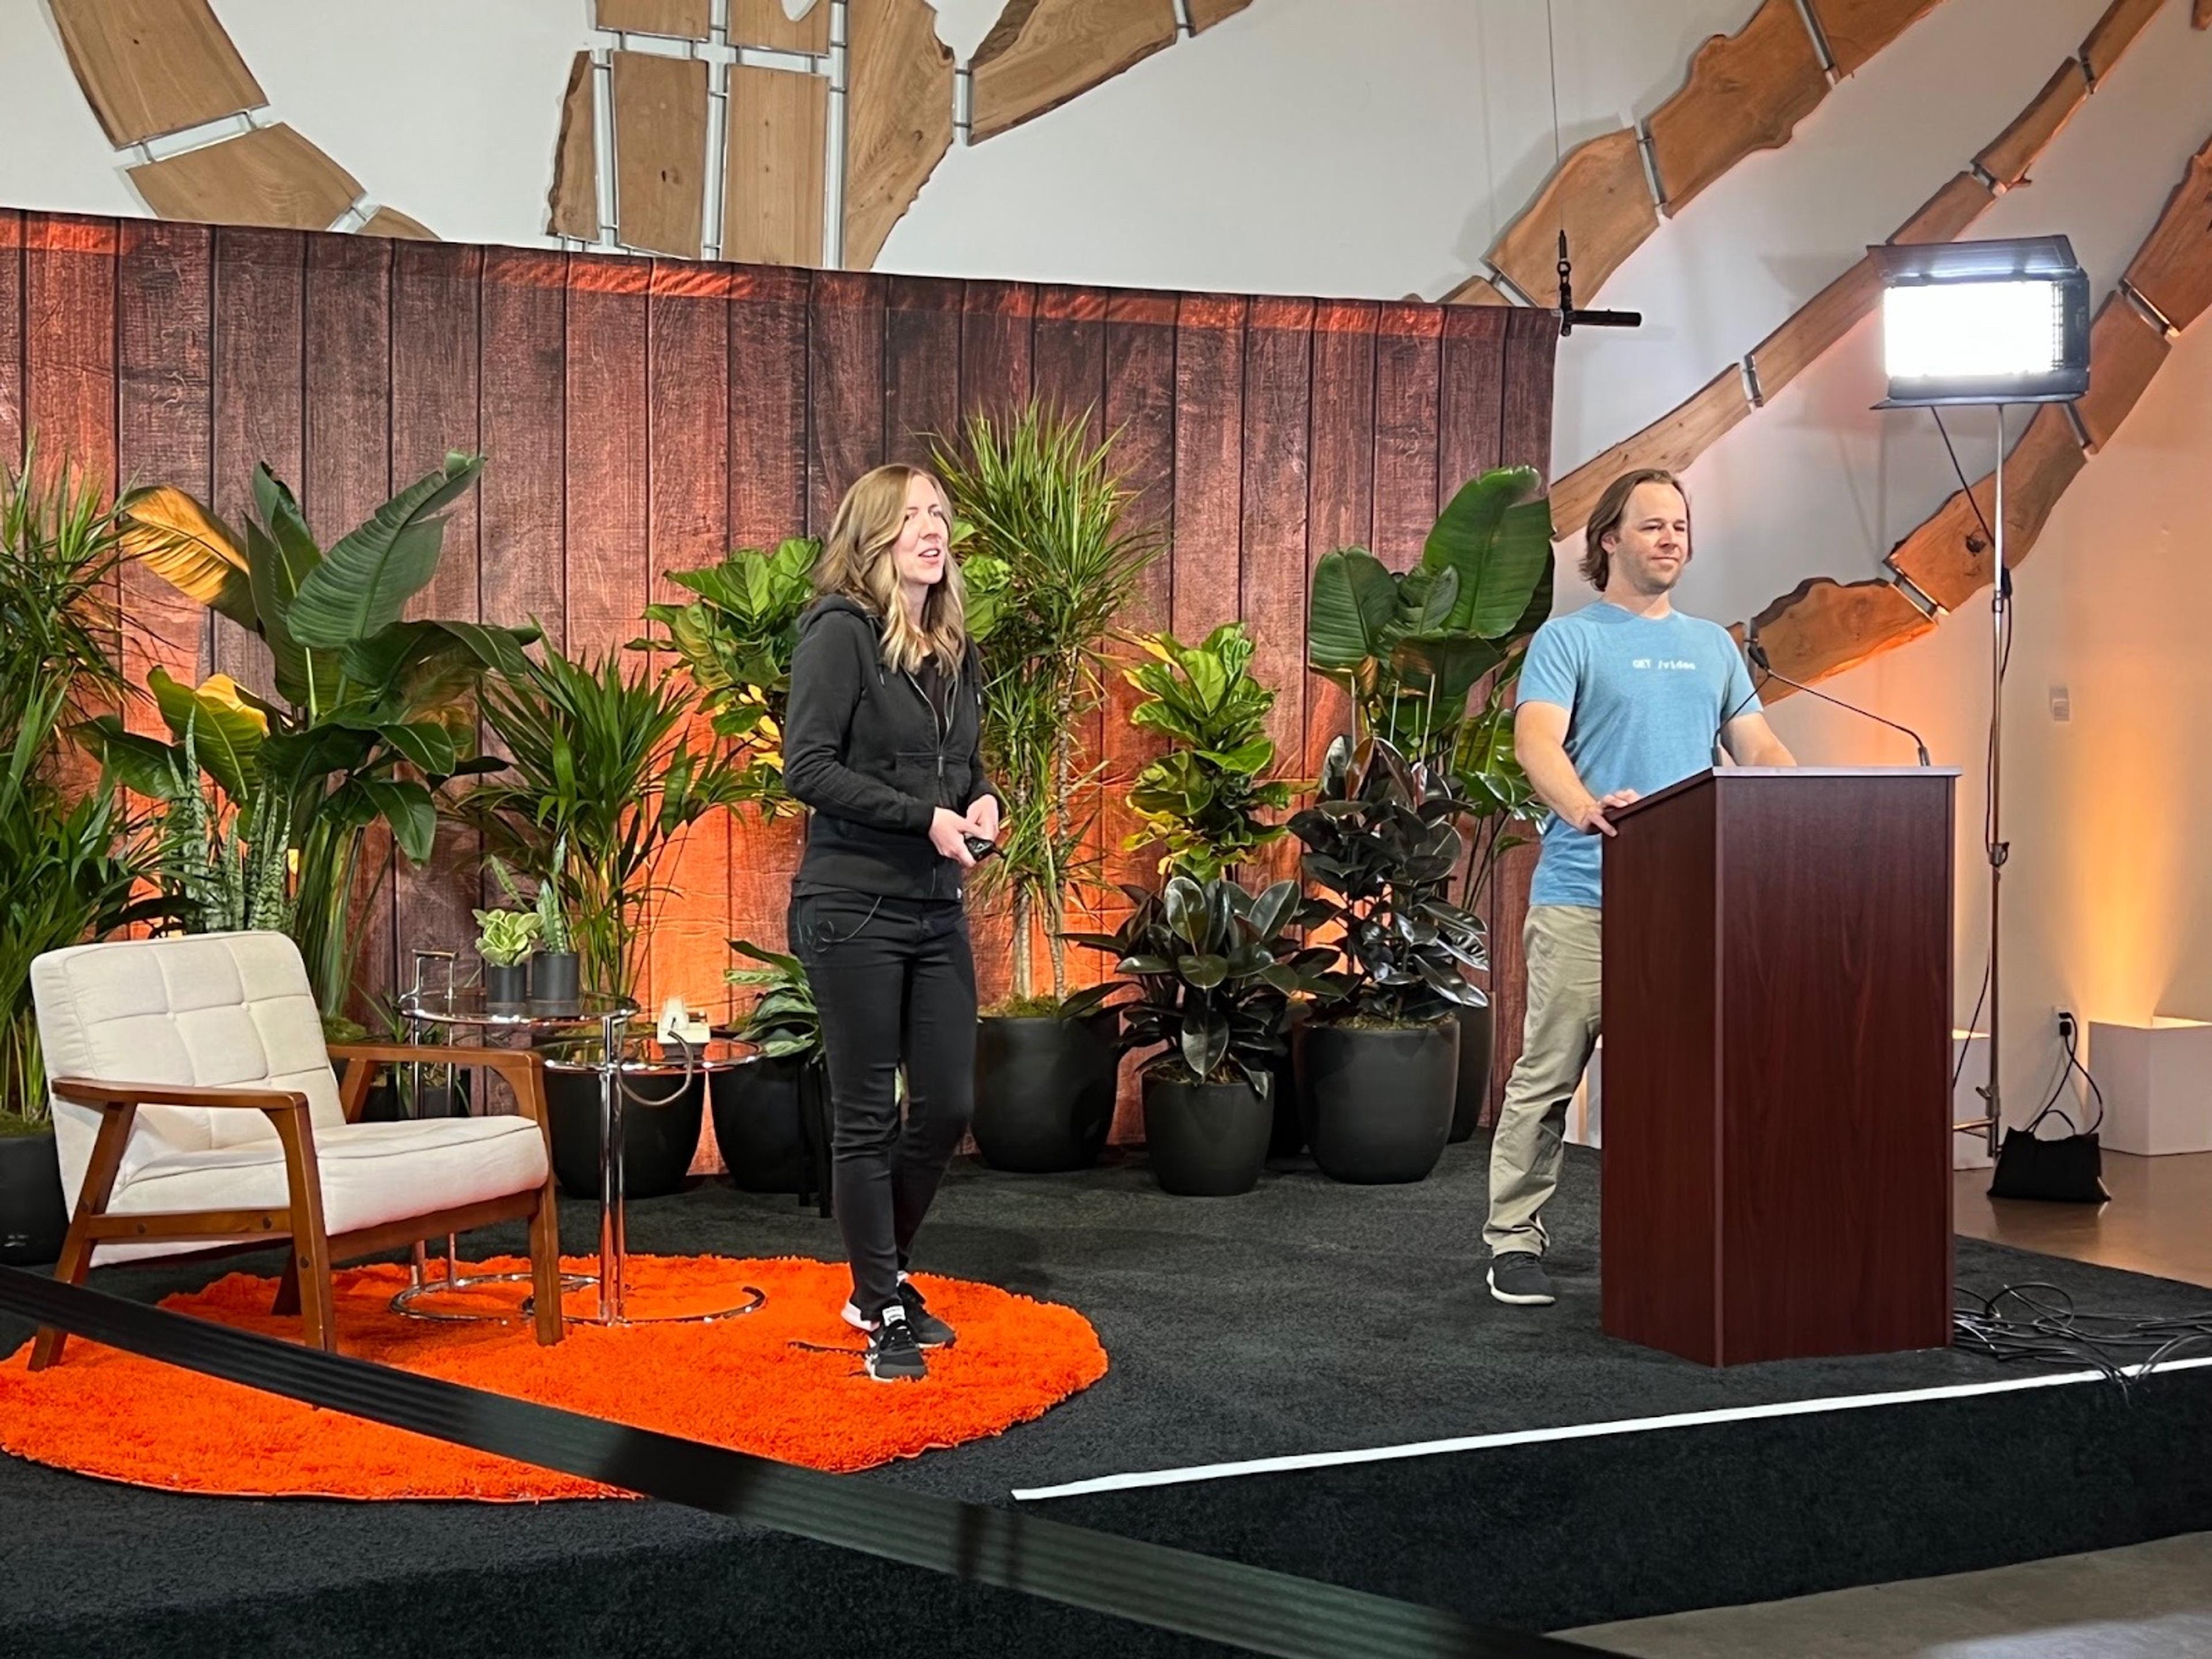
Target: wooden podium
1778 1064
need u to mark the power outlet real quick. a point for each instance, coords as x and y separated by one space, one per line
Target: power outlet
2067 1028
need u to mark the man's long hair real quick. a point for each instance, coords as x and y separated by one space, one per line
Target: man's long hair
1605 519
856 562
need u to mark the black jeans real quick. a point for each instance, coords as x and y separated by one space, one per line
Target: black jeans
895 982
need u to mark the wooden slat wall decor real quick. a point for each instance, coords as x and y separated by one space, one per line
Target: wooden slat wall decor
1600 196
271 176
1856 30
773 180
1674 440
1205 13
765 23
1746 91
685 19
2126 350
898 121
643 416
150 67
2173 270
573 204
660 152
1823 627
2114 32
2007 158
390 222
1043 52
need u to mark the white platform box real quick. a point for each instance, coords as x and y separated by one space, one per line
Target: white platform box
1585 1115
2157 1081
1969 1063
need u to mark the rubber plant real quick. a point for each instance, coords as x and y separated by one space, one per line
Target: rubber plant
372 712
783 1022
1203 803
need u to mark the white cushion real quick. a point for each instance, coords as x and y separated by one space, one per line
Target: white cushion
371 1173
235 1011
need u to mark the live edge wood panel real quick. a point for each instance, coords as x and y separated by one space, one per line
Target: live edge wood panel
643 416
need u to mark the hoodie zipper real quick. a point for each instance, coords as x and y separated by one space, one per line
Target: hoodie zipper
943 728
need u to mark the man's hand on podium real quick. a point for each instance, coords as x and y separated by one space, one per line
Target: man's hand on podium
1591 819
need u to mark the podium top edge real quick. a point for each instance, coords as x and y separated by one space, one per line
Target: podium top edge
1712 773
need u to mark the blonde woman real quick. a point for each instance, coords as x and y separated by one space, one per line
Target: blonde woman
882 741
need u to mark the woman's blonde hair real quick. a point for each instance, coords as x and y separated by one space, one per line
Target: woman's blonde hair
856 562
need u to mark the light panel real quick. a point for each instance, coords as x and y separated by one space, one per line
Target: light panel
1972 331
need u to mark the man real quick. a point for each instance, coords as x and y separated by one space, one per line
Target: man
1617 700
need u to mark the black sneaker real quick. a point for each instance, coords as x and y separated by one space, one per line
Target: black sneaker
893 1356
929 1331
1518 1277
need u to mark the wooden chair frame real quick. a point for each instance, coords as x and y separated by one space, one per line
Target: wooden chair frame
305 1288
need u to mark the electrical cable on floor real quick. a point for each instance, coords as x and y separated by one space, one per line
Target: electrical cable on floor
2038 1322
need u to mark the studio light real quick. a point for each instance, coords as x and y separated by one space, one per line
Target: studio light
1994 322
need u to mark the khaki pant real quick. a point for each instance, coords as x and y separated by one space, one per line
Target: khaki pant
1557 1041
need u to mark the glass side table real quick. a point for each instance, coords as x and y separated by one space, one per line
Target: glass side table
464 1008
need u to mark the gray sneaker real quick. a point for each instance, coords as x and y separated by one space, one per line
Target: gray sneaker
1517 1276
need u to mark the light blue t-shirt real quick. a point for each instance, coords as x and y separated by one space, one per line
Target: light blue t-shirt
1644 702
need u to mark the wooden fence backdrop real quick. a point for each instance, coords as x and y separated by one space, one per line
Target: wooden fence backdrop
643 416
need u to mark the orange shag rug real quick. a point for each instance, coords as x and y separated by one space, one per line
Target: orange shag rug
760 1384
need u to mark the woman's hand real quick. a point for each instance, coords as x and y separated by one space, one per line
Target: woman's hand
948 834
983 817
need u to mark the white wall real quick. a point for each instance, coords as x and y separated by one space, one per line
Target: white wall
1374 148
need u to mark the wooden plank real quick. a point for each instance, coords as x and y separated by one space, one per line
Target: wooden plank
1278 347
1471 409
2012 152
1340 477
845 367
436 399
773 180
1963 199
1822 627
1068 353
1408 379
271 176
1532 345
660 152
1601 197
995 322
1856 29
921 367
572 206
2172 268
898 117
391 222
11 336
150 67
605 452
685 20
1476 291
2113 33
164 408
345 475
1674 440
764 23
1209 456
259 349
1745 91
522 371
1205 13
688 526
1043 52
2126 350
768 406
1822 321
1948 557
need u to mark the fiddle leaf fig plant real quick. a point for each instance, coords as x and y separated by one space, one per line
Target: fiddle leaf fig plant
1202 803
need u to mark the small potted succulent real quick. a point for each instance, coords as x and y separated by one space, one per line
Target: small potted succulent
1210 971
762 1105
504 940
555 973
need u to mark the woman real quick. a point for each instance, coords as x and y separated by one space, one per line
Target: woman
882 741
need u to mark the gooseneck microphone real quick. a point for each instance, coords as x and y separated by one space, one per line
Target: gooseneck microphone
1757 652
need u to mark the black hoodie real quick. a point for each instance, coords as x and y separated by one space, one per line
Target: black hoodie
865 749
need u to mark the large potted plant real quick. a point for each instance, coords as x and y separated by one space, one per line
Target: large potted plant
373 712
1049 567
601 780
1209 970
1378 1060
1413 650
69 857
769 1107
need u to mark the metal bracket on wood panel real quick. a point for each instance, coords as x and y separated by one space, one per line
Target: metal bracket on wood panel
1650 168
165 145
1988 180
1913 595
1183 30
2074 419
833 148
2149 312
1750 386
963 103
1820 37
603 144
1506 285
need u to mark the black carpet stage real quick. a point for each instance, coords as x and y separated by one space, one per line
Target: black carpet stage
1310 1378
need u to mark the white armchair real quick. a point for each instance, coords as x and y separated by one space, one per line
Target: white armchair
195 1107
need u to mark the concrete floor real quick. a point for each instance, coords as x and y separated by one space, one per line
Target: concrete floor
2160 1220
2150 1601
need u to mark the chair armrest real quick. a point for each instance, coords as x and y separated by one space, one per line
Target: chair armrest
103 1095
523 1068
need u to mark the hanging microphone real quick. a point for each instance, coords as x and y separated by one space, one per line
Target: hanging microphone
1757 654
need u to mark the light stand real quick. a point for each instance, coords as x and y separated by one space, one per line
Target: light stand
1991 1123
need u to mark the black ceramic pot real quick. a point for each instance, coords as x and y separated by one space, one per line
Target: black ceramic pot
758 1123
1205 1139
1477 1034
33 1218
1044 1090
507 987
1381 1097
659 1140
1287 1139
554 979
387 1102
